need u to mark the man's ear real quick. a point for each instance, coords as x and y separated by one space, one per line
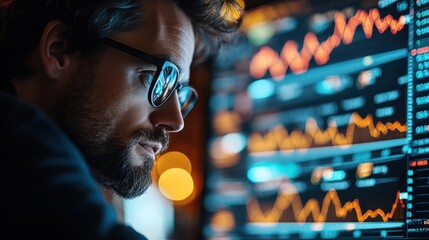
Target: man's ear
54 50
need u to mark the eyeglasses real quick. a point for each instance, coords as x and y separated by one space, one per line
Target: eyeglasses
165 81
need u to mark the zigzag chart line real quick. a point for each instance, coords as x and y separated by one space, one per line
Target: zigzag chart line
301 213
267 60
278 138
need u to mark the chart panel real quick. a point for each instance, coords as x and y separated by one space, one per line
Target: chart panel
319 124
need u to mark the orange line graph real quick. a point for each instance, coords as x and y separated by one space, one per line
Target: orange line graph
278 138
289 198
267 60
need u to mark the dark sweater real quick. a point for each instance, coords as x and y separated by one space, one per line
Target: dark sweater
47 189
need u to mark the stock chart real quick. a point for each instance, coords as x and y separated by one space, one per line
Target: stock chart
320 124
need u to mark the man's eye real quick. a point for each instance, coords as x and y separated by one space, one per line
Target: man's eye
146 77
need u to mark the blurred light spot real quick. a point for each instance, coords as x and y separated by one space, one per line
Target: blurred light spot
219 157
333 84
367 78
289 91
284 25
353 103
364 170
233 143
291 170
173 159
384 112
263 172
317 227
261 89
226 122
243 105
319 23
403 195
334 175
357 233
261 34
188 200
368 60
317 174
259 174
223 221
176 184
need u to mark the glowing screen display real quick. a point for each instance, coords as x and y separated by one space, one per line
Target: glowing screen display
319 123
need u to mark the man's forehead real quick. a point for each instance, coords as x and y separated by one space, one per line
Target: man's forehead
166 32
171 32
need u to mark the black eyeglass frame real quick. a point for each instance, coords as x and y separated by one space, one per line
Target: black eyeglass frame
161 64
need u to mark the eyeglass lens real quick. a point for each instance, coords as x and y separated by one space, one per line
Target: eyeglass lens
165 85
187 99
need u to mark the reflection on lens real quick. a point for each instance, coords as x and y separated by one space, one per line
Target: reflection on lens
187 98
164 85
184 95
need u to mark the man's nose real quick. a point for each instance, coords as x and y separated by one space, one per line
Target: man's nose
169 115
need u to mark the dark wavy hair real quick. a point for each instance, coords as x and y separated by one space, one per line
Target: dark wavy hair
87 21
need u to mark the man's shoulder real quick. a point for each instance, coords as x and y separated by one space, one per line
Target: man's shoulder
60 198
14 112
23 123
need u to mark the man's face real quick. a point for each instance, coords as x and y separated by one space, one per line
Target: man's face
105 108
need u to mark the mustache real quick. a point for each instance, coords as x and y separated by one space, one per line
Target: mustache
159 135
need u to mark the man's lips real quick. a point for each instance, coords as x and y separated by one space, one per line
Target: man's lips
153 147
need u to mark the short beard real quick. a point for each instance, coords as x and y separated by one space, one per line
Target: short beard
107 156
113 168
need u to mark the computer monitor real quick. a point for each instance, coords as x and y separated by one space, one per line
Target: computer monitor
320 123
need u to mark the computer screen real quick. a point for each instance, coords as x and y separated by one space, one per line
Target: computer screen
319 123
